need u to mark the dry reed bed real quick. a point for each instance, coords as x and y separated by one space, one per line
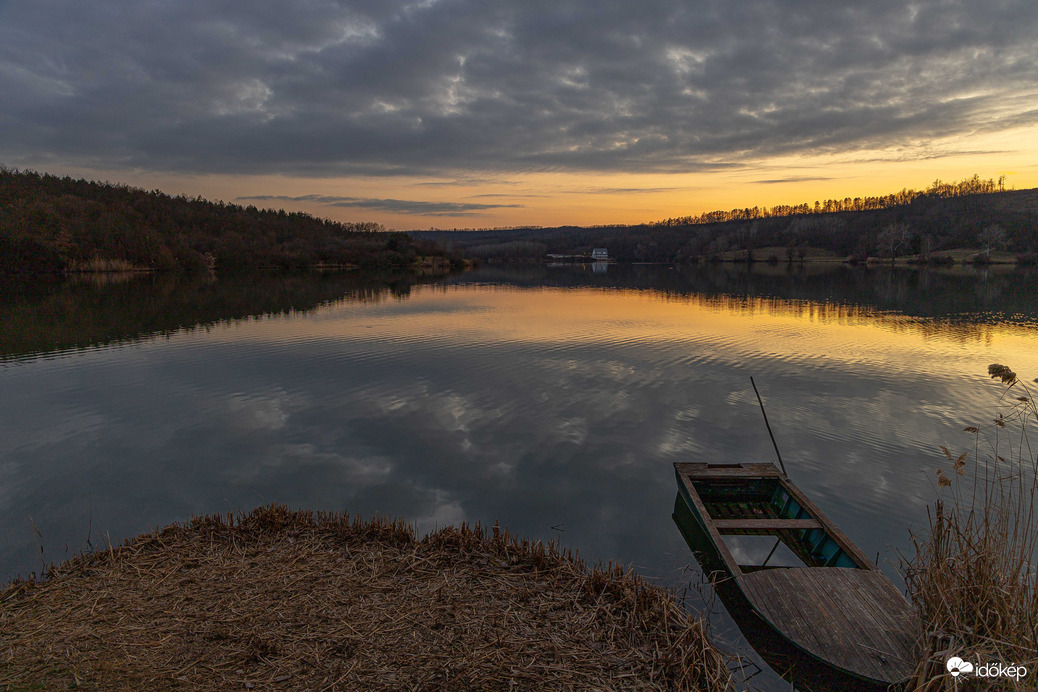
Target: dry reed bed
278 599
973 576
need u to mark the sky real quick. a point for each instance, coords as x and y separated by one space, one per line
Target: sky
460 113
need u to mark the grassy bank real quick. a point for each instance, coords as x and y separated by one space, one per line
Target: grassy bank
974 572
277 599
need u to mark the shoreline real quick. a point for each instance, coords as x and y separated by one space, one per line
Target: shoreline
285 599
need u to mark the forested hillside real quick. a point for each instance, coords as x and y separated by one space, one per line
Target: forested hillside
49 223
57 224
975 214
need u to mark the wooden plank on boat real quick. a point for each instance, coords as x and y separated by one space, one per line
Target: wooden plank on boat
800 631
853 618
766 524
865 605
832 529
696 470
689 494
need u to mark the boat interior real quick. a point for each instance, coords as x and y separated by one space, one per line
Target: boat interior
753 516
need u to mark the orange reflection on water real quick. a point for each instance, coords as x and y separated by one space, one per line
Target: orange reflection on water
724 327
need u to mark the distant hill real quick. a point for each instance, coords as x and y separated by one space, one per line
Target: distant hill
945 218
52 224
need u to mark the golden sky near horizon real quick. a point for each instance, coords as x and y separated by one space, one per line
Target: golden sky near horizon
589 198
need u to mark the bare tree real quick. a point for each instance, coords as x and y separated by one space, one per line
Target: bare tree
894 239
993 238
925 247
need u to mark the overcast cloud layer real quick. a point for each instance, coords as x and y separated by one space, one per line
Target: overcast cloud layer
389 87
397 206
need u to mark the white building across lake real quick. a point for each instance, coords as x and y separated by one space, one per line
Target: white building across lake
600 253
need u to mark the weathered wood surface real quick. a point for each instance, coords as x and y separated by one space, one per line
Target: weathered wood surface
690 471
854 619
830 528
765 524
695 503
698 470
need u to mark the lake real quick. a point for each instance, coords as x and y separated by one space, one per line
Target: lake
553 400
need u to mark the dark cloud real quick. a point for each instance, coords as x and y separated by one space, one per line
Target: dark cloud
441 86
396 206
500 195
462 182
776 181
624 190
926 155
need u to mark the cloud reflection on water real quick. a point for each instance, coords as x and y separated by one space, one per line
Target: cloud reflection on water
539 408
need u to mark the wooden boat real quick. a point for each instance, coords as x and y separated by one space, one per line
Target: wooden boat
836 605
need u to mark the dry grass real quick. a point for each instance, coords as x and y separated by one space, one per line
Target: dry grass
973 575
277 599
104 265
762 254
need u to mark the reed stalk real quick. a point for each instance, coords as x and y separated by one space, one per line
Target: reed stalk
973 574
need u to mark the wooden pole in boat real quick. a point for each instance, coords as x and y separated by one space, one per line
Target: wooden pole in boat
774 444
777 453
773 549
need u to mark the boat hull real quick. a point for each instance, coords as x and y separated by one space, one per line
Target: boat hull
839 610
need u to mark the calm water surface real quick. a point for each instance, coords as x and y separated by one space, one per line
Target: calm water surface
552 400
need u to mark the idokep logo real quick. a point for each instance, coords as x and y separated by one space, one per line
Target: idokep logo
956 666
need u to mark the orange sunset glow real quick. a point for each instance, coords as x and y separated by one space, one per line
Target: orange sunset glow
567 198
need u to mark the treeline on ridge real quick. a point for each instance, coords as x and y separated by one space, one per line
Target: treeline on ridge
937 190
53 224
972 214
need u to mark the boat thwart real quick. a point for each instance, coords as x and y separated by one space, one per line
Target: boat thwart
835 604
